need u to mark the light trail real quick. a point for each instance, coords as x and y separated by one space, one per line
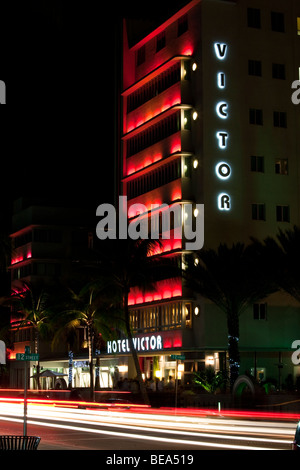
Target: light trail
160 425
144 437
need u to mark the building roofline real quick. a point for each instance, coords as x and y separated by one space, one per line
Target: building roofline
165 24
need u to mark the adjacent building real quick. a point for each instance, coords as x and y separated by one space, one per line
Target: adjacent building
49 245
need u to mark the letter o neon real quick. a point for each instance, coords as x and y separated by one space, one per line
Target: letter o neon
223 170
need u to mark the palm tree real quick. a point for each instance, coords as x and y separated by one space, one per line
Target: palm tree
131 263
32 302
91 309
231 278
282 259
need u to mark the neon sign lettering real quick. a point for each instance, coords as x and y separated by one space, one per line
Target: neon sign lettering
224 202
222 139
220 50
144 343
222 169
221 80
221 109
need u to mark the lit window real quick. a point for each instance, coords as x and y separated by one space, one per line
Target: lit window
298 25
281 166
188 315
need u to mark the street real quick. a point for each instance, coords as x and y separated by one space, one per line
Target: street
62 428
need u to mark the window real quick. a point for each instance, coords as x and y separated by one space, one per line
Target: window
47 235
154 179
153 134
254 68
154 87
256 116
278 71
258 212
260 311
298 25
281 166
257 163
160 41
253 17
156 318
282 213
182 25
277 21
279 119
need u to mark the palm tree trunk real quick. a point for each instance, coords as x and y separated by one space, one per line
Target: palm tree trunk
233 346
97 378
90 345
134 353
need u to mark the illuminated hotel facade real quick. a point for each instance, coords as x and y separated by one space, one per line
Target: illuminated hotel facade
207 118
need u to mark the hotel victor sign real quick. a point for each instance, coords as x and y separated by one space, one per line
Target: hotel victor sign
143 343
147 343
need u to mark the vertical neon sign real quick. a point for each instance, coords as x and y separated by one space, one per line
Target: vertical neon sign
222 169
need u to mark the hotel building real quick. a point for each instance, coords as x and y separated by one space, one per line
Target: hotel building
207 118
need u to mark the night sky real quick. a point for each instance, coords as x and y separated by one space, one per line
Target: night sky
58 63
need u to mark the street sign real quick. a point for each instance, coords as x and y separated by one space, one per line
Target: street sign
27 357
176 357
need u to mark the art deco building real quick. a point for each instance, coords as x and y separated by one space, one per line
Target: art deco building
207 118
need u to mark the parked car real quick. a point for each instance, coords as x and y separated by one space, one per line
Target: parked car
296 441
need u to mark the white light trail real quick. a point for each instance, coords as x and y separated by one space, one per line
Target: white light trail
198 427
